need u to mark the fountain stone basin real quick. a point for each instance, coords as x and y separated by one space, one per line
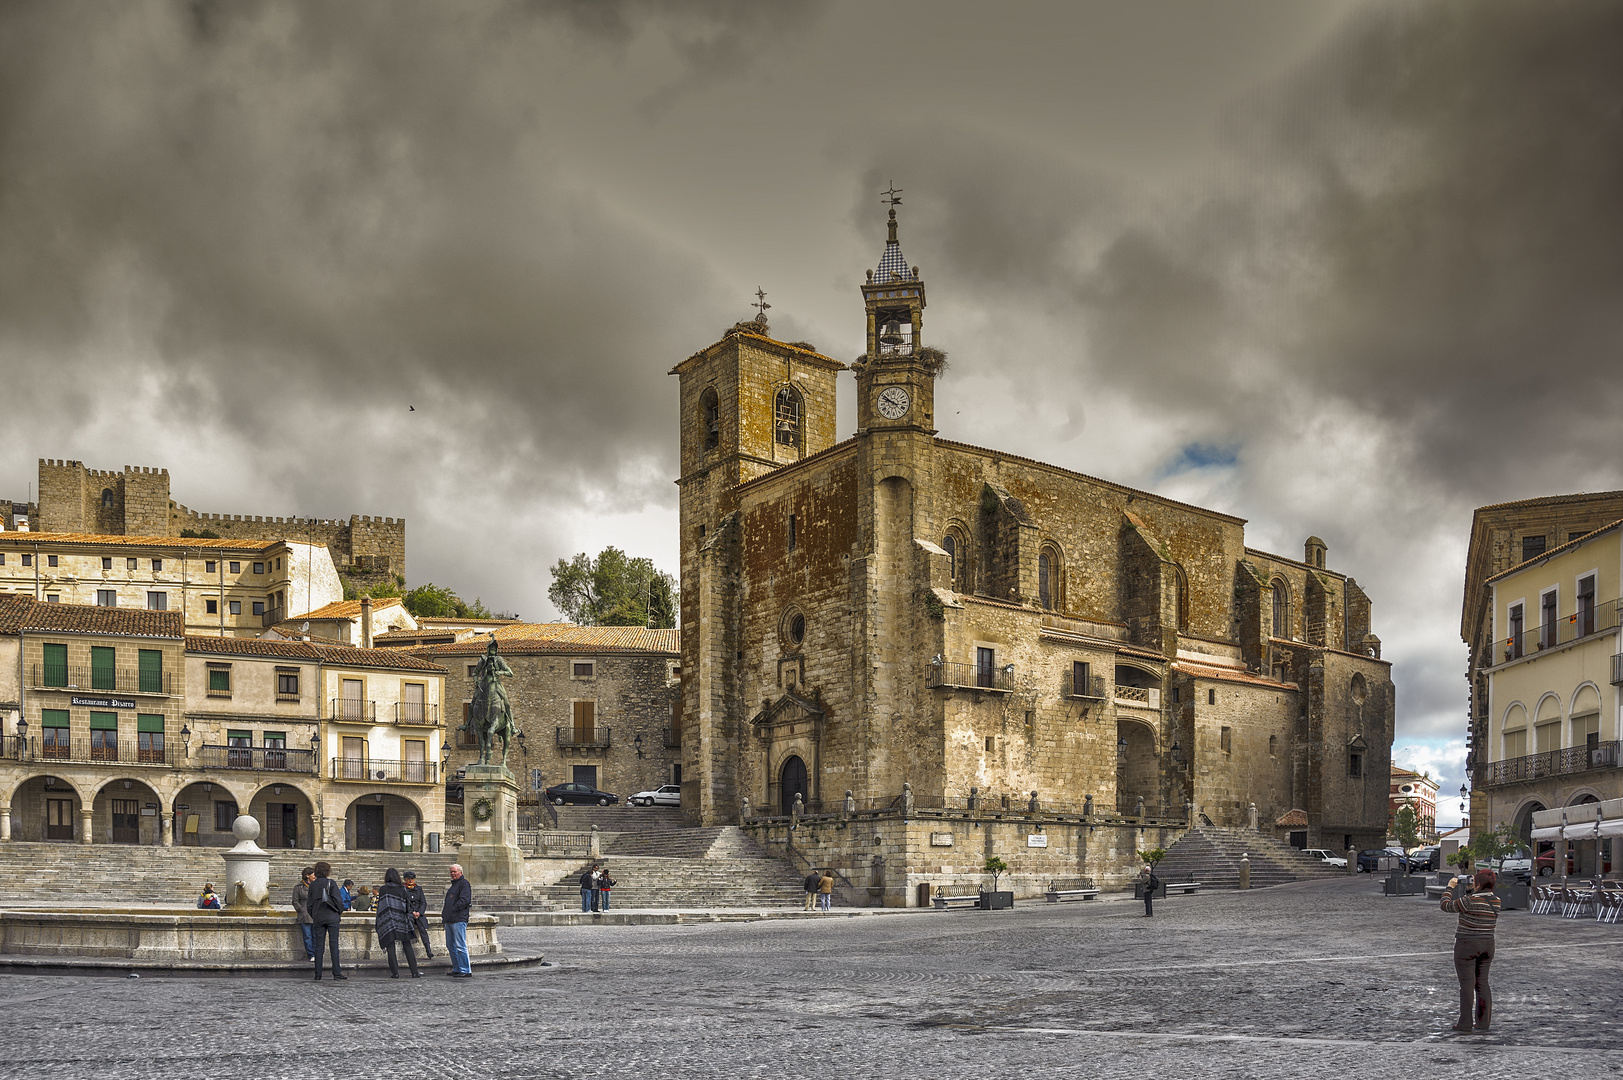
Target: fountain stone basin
192 936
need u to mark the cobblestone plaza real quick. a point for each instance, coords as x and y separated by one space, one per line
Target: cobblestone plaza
1313 979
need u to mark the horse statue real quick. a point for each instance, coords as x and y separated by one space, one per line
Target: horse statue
490 716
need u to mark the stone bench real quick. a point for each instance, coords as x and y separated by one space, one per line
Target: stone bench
1185 887
942 903
1056 896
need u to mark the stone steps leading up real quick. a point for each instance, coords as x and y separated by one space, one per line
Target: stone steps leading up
620 818
1212 856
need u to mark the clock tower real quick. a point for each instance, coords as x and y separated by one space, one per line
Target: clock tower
896 377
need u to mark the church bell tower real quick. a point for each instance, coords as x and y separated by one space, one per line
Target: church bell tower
896 378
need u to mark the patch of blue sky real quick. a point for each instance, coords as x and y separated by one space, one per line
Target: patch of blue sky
1195 456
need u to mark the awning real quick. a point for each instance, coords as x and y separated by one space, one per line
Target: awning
1553 832
1612 828
1583 830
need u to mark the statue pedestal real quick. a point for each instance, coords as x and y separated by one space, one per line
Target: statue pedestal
489 852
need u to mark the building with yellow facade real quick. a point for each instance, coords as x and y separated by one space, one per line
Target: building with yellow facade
1552 692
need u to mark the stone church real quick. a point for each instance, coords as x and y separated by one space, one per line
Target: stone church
896 608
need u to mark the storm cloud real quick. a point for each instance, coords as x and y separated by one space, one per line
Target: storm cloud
1349 269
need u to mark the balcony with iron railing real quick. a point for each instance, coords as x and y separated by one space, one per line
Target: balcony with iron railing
273 616
593 738
106 679
416 714
1598 619
93 751
1092 686
945 675
673 738
352 710
1617 669
380 771
257 758
1563 762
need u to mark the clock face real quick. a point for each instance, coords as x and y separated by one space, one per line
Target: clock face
893 402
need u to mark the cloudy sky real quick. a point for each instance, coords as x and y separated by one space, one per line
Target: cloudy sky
1345 268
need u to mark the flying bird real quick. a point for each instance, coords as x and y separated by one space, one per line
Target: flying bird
411 408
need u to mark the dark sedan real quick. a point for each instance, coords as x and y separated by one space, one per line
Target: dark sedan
1369 859
585 794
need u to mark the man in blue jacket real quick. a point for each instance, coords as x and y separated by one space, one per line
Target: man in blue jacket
458 903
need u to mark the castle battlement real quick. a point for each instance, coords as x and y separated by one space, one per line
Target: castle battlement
137 502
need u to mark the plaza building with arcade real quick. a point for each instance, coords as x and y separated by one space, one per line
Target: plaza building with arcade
902 654
121 728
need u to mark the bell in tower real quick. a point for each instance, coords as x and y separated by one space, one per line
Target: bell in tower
894 297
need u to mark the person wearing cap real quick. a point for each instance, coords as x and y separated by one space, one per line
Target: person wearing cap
418 903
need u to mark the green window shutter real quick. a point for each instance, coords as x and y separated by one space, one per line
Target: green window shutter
53 718
240 735
219 679
275 735
147 722
104 721
151 661
102 668
56 665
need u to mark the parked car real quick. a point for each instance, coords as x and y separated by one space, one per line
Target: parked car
1544 865
1518 865
669 795
579 794
1426 858
1326 856
1369 858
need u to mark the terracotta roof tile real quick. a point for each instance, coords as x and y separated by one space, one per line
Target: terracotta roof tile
103 540
564 638
234 646
1293 819
1228 674
13 609
86 619
382 658
346 609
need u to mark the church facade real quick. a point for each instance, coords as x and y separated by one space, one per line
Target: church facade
898 620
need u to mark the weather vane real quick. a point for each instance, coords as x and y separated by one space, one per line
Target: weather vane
891 196
760 304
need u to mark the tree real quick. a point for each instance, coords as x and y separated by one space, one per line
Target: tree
437 602
996 866
1496 845
1153 856
613 590
1406 827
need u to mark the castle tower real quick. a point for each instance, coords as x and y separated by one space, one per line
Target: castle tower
750 404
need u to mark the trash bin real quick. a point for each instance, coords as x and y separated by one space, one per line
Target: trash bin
405 840
434 843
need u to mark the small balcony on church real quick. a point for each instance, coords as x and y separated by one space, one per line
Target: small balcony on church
991 678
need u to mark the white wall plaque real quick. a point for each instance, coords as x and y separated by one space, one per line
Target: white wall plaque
1036 840
941 839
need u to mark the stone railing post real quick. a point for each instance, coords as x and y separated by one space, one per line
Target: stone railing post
1352 860
1251 815
1031 807
594 848
744 811
974 799
1245 871
796 810
1139 813
907 800
1087 806
850 803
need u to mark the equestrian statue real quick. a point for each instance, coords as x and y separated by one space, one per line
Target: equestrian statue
490 716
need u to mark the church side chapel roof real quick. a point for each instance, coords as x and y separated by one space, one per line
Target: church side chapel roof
1229 675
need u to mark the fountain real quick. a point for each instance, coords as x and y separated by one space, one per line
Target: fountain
248 936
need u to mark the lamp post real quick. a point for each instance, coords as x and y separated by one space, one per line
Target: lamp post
637 742
22 738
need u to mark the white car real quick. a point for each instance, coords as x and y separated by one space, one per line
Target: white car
669 795
1327 857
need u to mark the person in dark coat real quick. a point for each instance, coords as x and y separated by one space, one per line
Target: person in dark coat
454 914
1151 883
419 911
326 912
394 924
588 885
301 910
813 879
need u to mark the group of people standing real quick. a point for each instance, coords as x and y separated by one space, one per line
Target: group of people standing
400 918
595 886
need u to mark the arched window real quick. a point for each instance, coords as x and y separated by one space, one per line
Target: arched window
949 544
1282 608
956 544
786 416
1181 583
107 498
1050 578
710 407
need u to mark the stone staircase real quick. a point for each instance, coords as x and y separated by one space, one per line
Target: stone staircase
1211 856
619 818
67 874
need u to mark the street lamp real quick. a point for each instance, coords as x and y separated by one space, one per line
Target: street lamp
186 740
1121 748
637 742
521 745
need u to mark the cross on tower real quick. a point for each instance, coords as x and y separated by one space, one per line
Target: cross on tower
760 304
891 195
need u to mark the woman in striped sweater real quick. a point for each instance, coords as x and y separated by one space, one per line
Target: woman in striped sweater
1473 946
